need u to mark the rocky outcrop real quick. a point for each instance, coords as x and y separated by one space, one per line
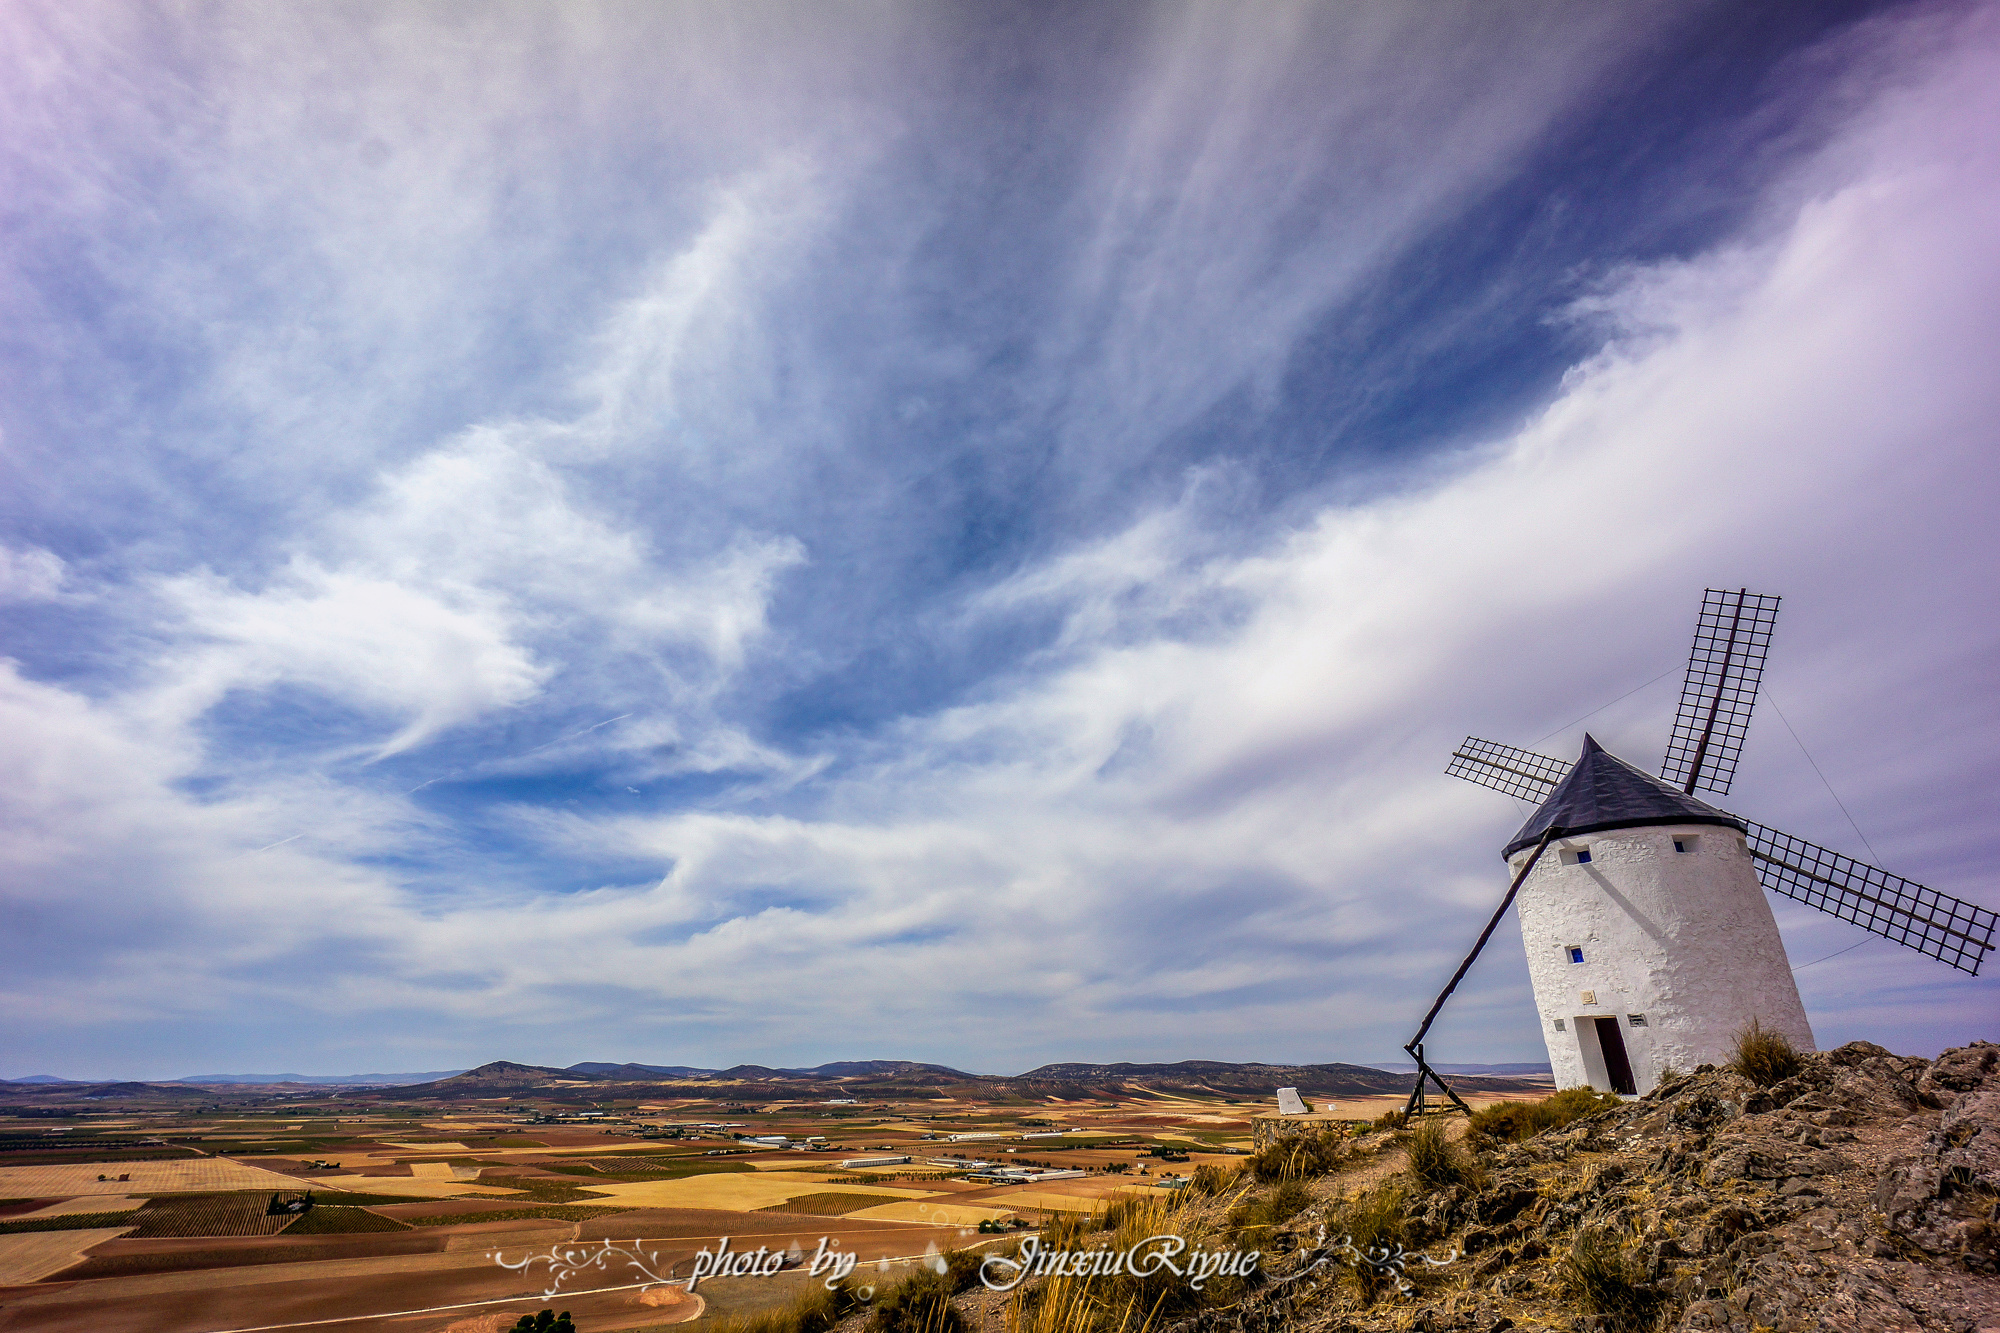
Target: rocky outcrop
1860 1196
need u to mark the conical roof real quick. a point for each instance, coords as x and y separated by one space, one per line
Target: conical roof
1604 792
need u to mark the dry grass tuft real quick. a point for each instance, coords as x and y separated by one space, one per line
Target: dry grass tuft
1124 1303
1511 1122
1603 1279
1765 1057
1372 1220
1300 1156
815 1311
1435 1162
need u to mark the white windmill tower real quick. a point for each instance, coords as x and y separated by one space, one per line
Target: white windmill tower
1648 941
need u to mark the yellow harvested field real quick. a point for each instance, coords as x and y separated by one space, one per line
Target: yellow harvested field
33 1255
414 1187
939 1211
89 1203
431 1170
734 1192
188 1175
1029 1197
426 1147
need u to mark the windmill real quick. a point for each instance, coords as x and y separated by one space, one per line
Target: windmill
1648 942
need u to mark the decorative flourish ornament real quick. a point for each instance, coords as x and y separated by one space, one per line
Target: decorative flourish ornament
565 1261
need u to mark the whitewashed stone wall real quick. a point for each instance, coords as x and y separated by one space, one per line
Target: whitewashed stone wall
1684 939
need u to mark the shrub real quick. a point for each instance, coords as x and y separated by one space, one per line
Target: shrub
920 1303
1435 1161
1110 1302
545 1321
1211 1179
1372 1221
1765 1057
1511 1122
815 1311
1253 1219
1300 1156
1391 1120
1599 1276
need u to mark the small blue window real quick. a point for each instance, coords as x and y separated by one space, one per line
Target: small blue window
1583 857
1681 845
1575 954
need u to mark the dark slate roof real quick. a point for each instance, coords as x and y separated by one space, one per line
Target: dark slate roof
1604 792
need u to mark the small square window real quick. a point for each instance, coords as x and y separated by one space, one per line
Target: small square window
1560 1027
1576 953
1576 856
1583 857
1636 1020
1683 844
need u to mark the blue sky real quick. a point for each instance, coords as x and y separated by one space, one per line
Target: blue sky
786 533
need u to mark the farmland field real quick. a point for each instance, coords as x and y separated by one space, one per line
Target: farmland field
323 1220
825 1205
208 1215
394 1228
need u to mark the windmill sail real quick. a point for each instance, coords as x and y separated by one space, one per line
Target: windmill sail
1520 773
1731 637
1934 924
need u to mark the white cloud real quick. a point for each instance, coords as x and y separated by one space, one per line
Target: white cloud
30 575
380 645
1210 812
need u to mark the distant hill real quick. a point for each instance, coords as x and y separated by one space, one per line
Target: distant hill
1197 1071
1237 1080
766 1074
595 1081
1544 1069
329 1080
45 1078
877 1068
497 1074
638 1072
590 1081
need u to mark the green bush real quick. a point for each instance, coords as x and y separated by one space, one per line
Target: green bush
545 1321
1512 1122
1392 1119
1765 1057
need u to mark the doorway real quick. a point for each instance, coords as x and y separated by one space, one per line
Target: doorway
1616 1064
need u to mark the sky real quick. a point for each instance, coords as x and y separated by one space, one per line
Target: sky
960 532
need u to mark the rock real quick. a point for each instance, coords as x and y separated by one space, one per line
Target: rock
1707 1315
1749 1161
1855 1052
1504 1202
1956 1072
1942 1199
